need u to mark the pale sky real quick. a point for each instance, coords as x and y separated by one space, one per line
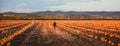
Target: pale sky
62 5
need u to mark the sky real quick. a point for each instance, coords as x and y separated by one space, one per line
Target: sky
25 6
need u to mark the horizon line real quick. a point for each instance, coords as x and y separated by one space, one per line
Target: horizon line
56 11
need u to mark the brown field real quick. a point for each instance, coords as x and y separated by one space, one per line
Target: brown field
66 33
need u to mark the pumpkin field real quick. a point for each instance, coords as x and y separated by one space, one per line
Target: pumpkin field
65 33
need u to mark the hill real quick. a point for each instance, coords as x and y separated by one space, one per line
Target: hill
61 15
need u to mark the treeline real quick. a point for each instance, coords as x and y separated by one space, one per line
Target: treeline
53 15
